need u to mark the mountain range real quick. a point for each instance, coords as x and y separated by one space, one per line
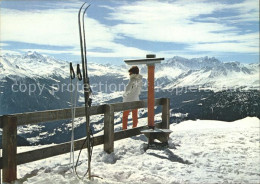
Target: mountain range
174 72
199 88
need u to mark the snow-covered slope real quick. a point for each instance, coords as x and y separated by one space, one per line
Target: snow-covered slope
31 64
36 65
208 73
199 151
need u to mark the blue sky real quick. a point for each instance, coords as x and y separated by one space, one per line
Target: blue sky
118 30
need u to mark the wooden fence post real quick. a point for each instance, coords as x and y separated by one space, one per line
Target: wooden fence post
1 169
165 113
109 129
9 145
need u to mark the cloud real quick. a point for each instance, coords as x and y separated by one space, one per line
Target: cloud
117 51
248 43
195 24
2 52
182 53
246 6
3 44
121 51
225 47
190 22
48 27
59 27
246 11
48 51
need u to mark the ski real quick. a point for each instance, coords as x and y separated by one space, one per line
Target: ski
85 80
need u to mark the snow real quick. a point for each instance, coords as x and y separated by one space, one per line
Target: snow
179 114
35 65
200 151
206 73
168 72
32 64
209 73
188 101
101 97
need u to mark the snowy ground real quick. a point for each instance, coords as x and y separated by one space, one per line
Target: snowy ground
206 152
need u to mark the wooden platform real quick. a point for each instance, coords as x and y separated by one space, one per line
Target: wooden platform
161 134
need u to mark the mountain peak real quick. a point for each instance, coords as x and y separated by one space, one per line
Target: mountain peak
33 55
194 63
32 64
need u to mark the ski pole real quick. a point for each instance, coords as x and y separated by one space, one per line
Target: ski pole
74 105
72 76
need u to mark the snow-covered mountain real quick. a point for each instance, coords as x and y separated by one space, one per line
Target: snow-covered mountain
35 82
32 81
35 78
31 64
36 65
209 73
172 73
42 82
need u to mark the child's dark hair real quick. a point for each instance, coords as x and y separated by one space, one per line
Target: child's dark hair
134 70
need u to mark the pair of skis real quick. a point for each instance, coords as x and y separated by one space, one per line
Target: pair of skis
87 90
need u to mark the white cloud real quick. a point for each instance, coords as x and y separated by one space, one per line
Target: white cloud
179 22
121 51
182 53
225 47
49 27
158 21
2 51
247 6
48 51
59 27
117 51
247 11
248 43
3 44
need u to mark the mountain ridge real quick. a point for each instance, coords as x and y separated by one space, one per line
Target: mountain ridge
175 72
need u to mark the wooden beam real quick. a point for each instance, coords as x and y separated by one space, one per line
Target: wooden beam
150 95
109 129
9 144
131 132
134 105
55 115
146 61
61 114
165 113
51 151
1 121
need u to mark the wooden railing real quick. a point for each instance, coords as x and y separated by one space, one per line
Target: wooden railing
10 159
